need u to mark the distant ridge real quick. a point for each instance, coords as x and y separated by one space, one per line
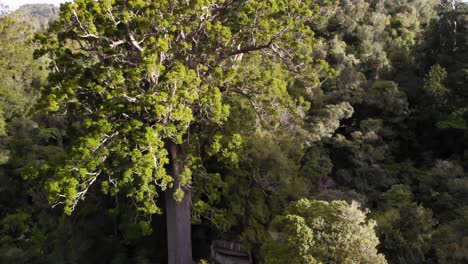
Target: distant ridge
39 16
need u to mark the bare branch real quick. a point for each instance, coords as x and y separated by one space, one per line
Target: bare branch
134 42
106 139
246 50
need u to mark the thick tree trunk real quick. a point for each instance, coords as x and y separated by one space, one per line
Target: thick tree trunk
178 215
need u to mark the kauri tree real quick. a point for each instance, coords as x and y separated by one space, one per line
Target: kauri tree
139 81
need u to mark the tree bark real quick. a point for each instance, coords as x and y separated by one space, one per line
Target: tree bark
178 214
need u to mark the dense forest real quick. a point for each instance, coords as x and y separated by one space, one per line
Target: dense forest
305 131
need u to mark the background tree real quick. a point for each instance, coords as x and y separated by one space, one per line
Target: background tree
23 141
312 231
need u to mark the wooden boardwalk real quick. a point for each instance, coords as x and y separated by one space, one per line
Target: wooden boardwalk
228 252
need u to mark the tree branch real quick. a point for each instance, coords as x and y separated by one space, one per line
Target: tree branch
246 50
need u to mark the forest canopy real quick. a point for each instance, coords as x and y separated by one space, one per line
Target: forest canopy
314 131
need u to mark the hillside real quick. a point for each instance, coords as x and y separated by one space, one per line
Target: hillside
38 15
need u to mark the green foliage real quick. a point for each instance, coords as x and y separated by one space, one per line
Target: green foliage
313 231
326 123
434 82
399 195
456 119
316 167
241 201
20 74
22 236
405 241
451 238
387 96
2 124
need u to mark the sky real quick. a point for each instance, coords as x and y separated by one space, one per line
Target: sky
14 4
